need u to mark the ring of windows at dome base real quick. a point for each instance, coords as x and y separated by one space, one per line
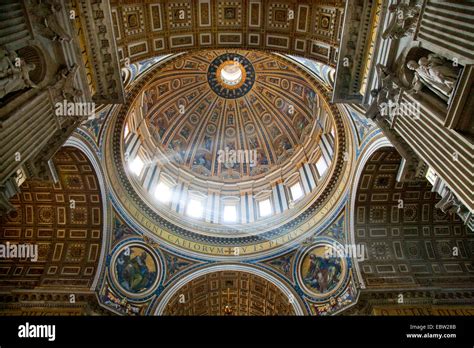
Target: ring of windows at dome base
194 201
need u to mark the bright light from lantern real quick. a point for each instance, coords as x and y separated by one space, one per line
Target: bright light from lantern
194 208
265 208
296 191
230 213
231 74
136 166
163 192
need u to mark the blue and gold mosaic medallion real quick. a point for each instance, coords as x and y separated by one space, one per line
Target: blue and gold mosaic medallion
231 76
136 270
322 271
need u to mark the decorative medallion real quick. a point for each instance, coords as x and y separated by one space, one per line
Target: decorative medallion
322 271
231 75
249 128
230 132
176 84
211 129
135 270
194 119
267 119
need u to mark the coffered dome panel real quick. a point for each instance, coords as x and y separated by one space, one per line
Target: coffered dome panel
193 115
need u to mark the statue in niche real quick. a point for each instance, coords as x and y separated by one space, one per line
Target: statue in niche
46 14
14 73
436 73
404 20
449 203
7 66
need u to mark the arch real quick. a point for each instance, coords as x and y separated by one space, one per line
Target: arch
298 307
63 221
409 243
377 143
76 142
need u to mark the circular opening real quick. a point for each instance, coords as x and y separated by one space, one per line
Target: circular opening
231 74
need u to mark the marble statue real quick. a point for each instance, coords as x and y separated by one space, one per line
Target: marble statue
7 60
64 86
69 92
14 77
389 94
435 73
46 14
404 20
449 203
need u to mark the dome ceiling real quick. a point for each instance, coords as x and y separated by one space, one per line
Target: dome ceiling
198 119
168 139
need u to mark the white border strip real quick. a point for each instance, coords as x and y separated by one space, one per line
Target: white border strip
369 150
78 143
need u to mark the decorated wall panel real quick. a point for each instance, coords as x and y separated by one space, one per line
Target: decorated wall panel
64 220
409 242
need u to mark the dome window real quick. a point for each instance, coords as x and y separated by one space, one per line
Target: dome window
163 192
265 208
230 213
195 208
296 191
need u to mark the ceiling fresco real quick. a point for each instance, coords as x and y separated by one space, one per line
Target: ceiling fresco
181 158
171 257
272 114
409 242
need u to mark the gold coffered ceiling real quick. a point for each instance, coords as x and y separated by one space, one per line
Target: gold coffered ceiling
229 293
307 28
